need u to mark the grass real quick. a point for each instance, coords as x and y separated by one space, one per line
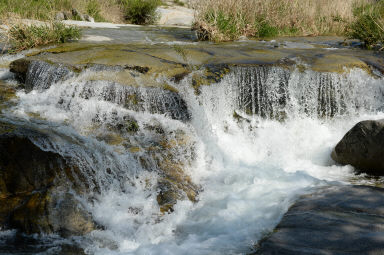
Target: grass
223 20
140 11
33 9
45 10
369 24
116 11
93 9
22 37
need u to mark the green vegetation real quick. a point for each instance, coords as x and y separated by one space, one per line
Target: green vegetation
178 2
223 20
369 24
24 37
94 10
140 11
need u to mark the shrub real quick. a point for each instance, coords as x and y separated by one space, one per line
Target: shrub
24 37
369 24
178 2
141 11
93 10
265 30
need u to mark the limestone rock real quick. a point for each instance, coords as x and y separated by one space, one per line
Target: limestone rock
89 18
363 147
176 15
33 196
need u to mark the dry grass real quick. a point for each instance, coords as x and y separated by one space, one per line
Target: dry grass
110 10
46 9
229 19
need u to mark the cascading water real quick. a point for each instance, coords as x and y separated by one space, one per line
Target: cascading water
252 143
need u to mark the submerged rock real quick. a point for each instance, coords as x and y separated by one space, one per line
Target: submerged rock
33 196
363 147
341 220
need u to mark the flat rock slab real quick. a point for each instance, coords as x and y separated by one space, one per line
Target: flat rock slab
341 220
176 15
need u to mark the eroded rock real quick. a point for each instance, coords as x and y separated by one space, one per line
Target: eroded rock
33 196
363 147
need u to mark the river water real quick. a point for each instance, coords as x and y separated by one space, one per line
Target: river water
257 139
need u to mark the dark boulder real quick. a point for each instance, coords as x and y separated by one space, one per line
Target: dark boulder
363 147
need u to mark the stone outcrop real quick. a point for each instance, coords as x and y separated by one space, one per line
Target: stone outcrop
363 147
34 197
343 220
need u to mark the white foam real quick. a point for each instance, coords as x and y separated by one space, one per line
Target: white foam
250 170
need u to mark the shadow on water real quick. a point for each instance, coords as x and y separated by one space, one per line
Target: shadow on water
335 220
15 243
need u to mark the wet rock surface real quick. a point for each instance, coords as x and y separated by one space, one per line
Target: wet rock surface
39 74
363 147
32 199
334 220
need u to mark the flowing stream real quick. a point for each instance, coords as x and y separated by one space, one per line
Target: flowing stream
256 140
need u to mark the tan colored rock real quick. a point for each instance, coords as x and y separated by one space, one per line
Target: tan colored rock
176 16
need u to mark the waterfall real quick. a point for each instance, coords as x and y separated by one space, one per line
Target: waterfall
246 147
276 92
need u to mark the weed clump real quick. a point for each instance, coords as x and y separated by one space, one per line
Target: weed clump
22 37
94 10
141 12
369 24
